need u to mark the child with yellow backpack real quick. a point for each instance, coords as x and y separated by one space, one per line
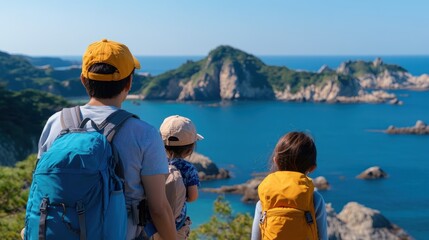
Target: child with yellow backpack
289 208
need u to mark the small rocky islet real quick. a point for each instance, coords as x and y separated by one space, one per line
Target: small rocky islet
420 128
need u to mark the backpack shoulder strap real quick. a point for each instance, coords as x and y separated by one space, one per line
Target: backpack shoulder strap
71 117
111 125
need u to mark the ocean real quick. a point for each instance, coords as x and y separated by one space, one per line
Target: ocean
240 137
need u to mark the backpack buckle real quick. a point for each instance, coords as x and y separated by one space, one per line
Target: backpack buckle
44 205
308 217
80 209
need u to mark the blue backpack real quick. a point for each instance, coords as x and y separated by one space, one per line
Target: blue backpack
77 191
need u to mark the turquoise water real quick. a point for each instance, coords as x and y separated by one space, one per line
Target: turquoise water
240 136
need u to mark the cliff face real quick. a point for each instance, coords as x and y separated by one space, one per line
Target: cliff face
225 74
330 91
230 74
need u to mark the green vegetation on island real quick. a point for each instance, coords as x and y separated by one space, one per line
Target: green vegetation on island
362 68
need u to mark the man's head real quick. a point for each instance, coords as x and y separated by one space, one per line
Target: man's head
107 68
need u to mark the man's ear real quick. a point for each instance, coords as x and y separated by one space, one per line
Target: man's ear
129 84
82 79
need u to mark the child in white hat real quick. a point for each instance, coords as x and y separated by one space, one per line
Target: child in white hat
180 135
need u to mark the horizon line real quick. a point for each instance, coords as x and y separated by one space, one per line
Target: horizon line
258 55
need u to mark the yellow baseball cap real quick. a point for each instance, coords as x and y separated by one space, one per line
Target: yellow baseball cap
113 53
178 131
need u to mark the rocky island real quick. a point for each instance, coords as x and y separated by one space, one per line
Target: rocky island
231 74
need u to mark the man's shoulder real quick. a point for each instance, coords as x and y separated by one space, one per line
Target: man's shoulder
139 125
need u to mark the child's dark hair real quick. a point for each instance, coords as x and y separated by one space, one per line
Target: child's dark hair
105 89
294 151
180 151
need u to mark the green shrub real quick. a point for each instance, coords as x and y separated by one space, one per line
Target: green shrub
223 225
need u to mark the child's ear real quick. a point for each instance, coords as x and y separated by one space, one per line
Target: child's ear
311 169
275 161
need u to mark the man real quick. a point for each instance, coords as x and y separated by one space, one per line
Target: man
107 73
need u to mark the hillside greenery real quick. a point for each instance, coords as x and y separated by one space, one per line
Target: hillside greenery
14 188
54 62
17 72
24 114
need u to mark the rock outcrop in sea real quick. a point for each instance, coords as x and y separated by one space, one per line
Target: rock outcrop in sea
207 170
356 221
249 189
321 183
419 128
372 173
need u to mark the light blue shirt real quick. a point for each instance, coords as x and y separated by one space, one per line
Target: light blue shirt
320 212
138 143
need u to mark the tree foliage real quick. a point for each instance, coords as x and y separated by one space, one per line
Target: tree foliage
224 225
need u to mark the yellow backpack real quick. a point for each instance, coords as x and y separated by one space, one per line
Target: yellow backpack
287 207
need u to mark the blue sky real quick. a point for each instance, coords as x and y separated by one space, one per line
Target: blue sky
194 27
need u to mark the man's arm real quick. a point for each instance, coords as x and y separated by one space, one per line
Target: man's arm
160 210
192 192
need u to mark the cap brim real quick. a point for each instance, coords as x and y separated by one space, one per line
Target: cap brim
199 137
136 63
